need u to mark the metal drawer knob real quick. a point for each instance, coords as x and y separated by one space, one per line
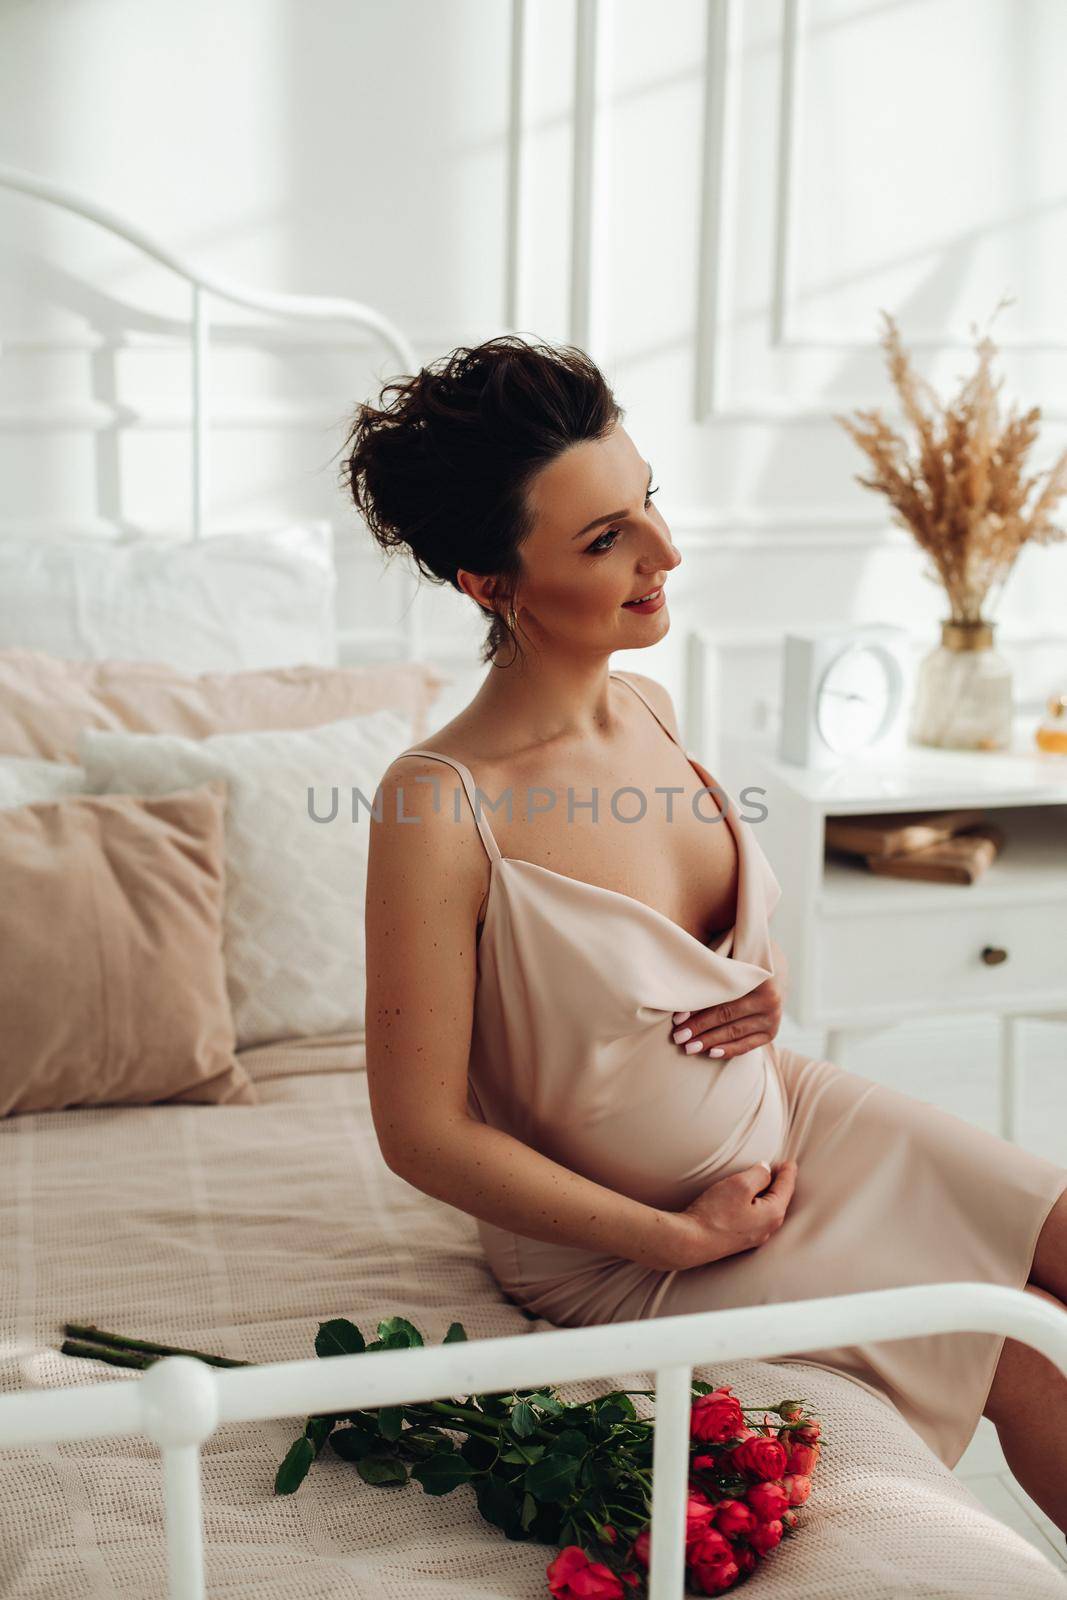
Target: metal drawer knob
992 955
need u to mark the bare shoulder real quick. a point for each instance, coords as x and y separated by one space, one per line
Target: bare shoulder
424 840
659 698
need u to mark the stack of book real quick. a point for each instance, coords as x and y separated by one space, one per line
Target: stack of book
938 846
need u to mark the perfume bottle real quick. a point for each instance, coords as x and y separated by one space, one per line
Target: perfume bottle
1051 731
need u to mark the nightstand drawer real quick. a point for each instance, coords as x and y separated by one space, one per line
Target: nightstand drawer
932 960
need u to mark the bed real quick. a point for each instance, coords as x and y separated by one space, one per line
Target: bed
238 1228
185 1244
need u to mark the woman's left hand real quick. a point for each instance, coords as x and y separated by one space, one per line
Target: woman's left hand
733 1027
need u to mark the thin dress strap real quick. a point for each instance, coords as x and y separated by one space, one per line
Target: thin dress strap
665 726
722 799
469 786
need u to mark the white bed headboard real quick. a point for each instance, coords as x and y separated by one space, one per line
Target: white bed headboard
406 637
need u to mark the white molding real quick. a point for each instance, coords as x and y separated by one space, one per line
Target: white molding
516 149
791 88
590 187
717 169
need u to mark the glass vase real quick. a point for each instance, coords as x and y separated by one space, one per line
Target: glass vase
963 692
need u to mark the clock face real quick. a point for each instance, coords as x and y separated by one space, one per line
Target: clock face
856 697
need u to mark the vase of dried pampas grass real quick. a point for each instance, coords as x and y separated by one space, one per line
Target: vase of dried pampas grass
960 487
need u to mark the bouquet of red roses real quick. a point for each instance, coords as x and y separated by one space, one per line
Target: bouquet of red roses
745 1484
571 1474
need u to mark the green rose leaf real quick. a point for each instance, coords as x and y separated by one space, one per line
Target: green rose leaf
547 1402
443 1472
523 1453
339 1337
572 1441
426 1441
456 1332
552 1478
352 1444
381 1469
318 1430
294 1469
602 1474
499 1505
398 1332
523 1420
390 1421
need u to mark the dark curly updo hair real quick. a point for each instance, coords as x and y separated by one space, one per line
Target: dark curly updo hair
443 469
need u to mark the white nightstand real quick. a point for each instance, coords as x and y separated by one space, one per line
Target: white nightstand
866 951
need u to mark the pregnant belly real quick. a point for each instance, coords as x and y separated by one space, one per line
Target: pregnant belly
648 1121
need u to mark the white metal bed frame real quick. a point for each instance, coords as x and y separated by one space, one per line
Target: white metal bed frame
179 1402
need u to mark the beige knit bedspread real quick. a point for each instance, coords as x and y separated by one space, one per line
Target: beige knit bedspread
237 1230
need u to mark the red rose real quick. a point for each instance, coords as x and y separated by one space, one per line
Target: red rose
797 1487
733 1517
712 1563
699 1512
608 1533
802 1458
760 1457
703 1464
640 1547
711 1546
768 1500
789 1519
572 1576
765 1536
807 1432
716 1417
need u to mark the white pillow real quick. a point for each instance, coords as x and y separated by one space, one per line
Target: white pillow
24 779
293 933
228 601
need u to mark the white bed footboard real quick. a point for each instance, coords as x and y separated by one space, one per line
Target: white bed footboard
179 1401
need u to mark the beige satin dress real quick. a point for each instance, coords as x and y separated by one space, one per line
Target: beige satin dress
572 1054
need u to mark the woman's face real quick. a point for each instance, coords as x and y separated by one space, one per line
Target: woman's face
598 541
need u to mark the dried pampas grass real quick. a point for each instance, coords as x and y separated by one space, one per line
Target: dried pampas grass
961 491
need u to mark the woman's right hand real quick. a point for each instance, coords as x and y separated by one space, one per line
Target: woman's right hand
735 1213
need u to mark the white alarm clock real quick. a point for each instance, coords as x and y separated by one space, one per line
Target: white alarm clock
844 692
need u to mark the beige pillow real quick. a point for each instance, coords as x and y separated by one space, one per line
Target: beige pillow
46 703
112 984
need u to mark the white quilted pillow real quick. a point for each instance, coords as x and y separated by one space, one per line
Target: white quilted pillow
227 602
293 933
24 779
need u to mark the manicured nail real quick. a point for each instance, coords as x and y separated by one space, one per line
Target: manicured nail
680 1016
718 1051
695 1044
680 1035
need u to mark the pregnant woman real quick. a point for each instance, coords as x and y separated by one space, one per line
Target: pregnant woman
571 1008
